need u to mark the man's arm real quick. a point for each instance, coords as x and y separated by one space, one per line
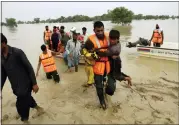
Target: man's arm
44 37
162 37
28 67
3 76
67 47
151 38
38 67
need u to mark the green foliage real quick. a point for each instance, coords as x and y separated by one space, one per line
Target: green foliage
11 22
37 20
121 15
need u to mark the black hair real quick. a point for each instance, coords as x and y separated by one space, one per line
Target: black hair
89 45
84 28
114 34
62 27
43 47
98 24
3 39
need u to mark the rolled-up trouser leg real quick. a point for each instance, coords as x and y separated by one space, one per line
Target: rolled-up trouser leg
99 87
111 85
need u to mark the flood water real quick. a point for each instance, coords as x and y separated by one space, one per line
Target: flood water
29 38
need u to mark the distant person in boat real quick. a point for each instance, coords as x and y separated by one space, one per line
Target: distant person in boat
62 29
55 39
90 57
84 34
114 56
63 41
16 66
157 36
73 49
48 62
47 36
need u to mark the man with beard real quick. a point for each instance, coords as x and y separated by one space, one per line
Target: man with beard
101 66
157 37
73 48
16 66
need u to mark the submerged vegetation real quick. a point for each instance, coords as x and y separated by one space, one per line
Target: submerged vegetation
119 15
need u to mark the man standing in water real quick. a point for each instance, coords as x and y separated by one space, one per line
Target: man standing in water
157 37
47 36
16 66
102 66
73 48
48 62
55 39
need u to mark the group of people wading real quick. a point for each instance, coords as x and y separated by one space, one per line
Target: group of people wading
102 63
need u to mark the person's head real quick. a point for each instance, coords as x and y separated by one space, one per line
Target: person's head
62 28
58 28
84 30
75 35
89 46
157 26
46 27
44 48
3 42
99 29
62 33
114 36
54 28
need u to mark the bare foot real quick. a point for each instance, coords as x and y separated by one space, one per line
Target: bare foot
40 111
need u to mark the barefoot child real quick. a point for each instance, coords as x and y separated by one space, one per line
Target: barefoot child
90 57
115 61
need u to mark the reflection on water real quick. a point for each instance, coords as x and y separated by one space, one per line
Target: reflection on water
12 29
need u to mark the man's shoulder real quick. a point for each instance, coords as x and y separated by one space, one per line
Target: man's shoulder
15 49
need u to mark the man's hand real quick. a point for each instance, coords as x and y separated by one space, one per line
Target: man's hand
71 55
37 74
114 57
35 88
128 79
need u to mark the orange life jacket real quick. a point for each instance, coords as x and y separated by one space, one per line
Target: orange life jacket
103 64
48 62
47 35
157 37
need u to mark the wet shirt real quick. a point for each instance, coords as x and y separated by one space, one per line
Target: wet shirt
73 48
19 71
55 38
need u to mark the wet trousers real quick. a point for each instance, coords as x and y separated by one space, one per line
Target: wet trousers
23 105
110 88
90 74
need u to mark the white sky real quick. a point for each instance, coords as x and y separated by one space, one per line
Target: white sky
29 10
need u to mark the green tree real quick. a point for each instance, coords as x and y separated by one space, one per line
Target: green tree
121 15
11 22
37 20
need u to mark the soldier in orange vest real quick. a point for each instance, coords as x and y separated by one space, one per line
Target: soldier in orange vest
157 37
48 62
47 36
102 65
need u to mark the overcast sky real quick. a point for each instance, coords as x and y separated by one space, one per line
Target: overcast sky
28 10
